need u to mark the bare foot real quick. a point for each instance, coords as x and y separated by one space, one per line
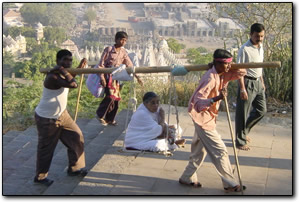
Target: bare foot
244 147
248 139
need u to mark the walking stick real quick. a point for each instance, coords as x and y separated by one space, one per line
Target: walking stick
78 96
79 91
234 146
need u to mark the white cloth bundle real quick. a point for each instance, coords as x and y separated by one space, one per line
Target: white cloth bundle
121 74
143 129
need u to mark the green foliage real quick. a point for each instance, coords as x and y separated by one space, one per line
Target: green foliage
174 45
92 40
33 13
9 5
8 60
88 103
202 49
195 56
19 104
277 20
19 101
31 45
90 15
60 15
53 14
16 31
57 34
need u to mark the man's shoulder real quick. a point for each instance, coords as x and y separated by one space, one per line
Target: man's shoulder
246 44
209 76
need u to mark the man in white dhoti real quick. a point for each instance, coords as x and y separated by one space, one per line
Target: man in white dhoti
147 129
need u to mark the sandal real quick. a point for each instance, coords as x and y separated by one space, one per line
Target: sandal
191 184
114 123
102 121
244 147
234 189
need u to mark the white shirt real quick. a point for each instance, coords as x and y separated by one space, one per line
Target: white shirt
52 103
250 53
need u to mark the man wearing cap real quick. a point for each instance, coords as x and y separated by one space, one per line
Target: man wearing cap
203 109
251 91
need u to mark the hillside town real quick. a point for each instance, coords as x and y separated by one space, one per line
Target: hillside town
147 24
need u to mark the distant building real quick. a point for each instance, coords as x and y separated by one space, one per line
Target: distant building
15 46
72 47
158 7
12 18
227 27
188 28
39 29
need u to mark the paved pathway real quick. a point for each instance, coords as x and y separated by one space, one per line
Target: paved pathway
266 169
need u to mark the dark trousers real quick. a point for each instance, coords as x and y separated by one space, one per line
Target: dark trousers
246 117
52 130
107 108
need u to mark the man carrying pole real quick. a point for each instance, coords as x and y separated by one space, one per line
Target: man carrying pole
54 122
203 109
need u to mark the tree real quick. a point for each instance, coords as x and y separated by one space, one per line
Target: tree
277 19
9 5
174 45
33 13
92 39
16 31
57 34
61 15
8 60
202 49
195 56
90 15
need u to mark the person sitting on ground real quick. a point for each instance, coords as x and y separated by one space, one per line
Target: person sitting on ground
147 129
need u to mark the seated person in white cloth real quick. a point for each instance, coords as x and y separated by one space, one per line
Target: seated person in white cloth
147 129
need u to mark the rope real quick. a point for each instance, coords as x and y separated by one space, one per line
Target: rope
169 103
132 91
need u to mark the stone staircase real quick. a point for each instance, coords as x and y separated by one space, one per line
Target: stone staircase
19 157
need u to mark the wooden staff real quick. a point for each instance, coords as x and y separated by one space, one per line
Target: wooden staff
158 69
233 141
79 91
78 96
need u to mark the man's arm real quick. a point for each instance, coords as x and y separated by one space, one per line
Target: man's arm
82 64
243 92
262 79
242 59
61 79
101 65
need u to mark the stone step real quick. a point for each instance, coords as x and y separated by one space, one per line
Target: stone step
110 166
19 160
95 149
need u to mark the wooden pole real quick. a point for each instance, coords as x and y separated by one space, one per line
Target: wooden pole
158 69
78 96
233 141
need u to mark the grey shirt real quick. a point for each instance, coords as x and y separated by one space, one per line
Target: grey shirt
249 53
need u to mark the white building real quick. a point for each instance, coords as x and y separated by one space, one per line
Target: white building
15 46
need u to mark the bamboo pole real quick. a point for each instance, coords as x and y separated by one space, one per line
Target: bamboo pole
78 96
158 69
233 141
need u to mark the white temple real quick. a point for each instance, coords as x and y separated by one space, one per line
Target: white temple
15 46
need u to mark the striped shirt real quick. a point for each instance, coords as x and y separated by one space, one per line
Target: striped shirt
111 58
